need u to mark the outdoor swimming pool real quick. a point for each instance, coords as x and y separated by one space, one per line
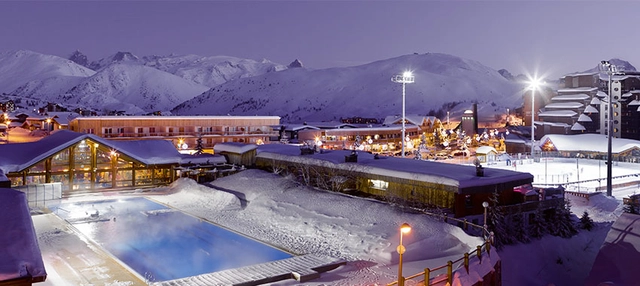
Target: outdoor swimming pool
161 243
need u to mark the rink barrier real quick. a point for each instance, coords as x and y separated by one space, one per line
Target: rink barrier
583 194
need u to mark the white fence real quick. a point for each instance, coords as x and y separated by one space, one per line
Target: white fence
42 195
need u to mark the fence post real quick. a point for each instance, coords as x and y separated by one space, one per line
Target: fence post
427 274
445 217
449 272
466 261
466 226
479 253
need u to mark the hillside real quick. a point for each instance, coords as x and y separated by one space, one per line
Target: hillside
442 83
132 88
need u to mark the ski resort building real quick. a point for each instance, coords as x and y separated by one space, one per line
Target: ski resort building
183 131
458 189
86 163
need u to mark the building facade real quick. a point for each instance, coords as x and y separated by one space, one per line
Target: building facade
183 131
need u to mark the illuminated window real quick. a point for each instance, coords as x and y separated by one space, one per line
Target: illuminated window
379 184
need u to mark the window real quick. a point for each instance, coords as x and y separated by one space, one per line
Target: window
140 130
120 130
107 131
379 184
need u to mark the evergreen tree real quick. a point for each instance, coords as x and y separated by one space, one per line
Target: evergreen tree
497 223
586 222
519 231
561 223
538 225
199 147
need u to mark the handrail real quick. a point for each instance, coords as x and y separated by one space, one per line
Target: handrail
486 246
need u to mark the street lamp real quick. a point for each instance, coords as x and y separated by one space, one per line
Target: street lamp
48 124
485 205
533 84
8 128
404 78
610 69
404 228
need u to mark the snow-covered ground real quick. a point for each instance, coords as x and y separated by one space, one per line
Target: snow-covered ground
363 232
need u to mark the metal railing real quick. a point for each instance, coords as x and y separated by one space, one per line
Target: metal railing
448 277
42 195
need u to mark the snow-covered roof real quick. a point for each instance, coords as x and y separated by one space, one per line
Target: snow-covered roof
634 102
605 77
330 124
555 124
175 117
62 118
21 256
595 101
582 74
298 127
589 143
19 156
411 118
564 105
627 94
577 127
577 89
568 97
233 147
584 118
459 176
591 109
558 113
601 93
613 264
486 150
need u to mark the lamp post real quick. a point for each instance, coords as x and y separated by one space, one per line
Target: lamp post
485 205
48 124
610 69
533 84
404 78
404 228
8 128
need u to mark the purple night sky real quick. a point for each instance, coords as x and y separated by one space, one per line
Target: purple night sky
547 37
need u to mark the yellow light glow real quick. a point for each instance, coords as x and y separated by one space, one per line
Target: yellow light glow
405 228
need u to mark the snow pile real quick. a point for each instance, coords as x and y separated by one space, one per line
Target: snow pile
364 232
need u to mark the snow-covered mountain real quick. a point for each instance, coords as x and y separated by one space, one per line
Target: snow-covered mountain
621 65
119 57
133 88
28 73
442 83
211 71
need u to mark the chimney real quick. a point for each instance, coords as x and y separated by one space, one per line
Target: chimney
475 117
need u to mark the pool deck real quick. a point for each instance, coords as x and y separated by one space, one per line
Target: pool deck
302 268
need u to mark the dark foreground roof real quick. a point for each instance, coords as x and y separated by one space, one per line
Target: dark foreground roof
20 254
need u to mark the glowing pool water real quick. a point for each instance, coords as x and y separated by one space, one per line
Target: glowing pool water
161 243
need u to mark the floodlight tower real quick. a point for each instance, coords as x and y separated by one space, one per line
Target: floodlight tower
610 69
533 85
404 78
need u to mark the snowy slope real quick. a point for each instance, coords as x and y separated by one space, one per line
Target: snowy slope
366 90
122 85
211 71
119 57
27 73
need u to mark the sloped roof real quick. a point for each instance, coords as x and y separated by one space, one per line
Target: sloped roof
591 109
62 118
19 156
595 101
486 150
234 147
564 105
460 176
298 127
577 127
577 89
569 97
614 264
330 124
634 102
584 118
589 143
411 118
558 113
21 256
